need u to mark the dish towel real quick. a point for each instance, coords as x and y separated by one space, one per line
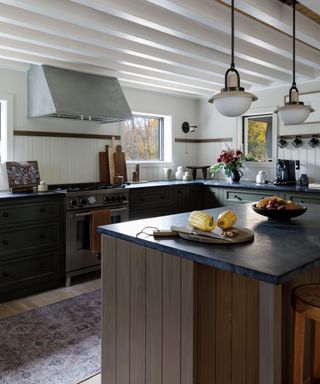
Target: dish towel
98 217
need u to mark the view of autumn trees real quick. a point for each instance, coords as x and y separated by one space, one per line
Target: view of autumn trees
258 139
141 138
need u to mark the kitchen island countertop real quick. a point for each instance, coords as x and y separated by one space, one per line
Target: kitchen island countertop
274 256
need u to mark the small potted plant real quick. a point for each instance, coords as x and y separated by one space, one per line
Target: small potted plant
230 160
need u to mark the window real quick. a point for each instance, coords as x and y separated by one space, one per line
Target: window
143 138
6 127
258 136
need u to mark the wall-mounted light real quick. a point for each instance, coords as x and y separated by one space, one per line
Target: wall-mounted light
232 101
314 141
297 142
186 127
282 142
294 111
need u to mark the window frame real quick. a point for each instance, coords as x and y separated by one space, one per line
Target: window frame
6 140
165 140
274 135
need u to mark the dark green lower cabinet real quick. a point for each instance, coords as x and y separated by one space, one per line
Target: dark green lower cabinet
148 202
32 252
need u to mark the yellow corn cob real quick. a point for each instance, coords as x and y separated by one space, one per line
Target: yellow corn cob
202 220
226 219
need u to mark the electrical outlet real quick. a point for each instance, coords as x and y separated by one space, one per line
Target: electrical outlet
297 164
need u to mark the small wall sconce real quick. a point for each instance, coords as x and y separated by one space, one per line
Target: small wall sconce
314 141
282 142
186 127
297 142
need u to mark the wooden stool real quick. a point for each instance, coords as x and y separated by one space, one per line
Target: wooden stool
306 303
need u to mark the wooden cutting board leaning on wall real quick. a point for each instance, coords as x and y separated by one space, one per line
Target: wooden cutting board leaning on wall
111 153
120 163
104 166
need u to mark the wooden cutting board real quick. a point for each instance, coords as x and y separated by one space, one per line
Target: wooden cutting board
120 163
242 235
104 166
112 172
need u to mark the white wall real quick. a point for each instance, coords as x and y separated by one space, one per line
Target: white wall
66 160
214 125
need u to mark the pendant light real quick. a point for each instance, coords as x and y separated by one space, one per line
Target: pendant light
233 100
294 111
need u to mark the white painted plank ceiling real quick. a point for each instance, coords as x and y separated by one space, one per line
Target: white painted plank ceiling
172 46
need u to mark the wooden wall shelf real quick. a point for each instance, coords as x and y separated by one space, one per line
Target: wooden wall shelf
66 134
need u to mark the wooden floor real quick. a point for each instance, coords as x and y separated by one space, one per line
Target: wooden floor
25 304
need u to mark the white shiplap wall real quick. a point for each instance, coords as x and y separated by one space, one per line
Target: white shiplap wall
309 159
68 160
213 125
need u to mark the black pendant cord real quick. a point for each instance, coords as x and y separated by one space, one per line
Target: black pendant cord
294 86
232 66
294 43
232 33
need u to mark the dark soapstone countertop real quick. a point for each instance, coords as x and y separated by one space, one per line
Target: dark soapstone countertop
224 184
27 195
280 250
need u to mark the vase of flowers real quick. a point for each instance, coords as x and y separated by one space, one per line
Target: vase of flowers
230 160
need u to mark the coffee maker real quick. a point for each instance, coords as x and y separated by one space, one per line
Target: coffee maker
286 173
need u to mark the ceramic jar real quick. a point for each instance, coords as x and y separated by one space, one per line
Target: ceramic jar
187 176
179 173
261 177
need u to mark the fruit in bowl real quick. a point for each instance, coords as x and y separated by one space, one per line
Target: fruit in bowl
277 208
277 203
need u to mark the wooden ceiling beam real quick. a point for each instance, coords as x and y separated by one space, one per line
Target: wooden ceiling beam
111 25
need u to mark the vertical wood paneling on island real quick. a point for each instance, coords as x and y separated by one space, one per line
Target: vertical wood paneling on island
206 324
123 312
171 319
223 327
270 334
227 328
252 331
153 317
187 321
109 318
239 331
137 314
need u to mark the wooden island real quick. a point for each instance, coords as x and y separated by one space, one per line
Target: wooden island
181 312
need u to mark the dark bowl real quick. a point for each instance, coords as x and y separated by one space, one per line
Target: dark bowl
283 214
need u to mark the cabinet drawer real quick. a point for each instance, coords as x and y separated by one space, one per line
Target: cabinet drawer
20 212
30 237
151 198
25 269
303 198
243 196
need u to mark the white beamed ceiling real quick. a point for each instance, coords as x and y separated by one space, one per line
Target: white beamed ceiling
172 46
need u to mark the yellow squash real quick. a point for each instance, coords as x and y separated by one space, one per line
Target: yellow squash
226 219
202 220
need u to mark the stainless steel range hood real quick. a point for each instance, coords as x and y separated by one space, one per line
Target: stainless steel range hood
57 92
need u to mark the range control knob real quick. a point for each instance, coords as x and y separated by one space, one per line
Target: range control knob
119 198
113 198
83 201
107 199
91 199
73 203
123 198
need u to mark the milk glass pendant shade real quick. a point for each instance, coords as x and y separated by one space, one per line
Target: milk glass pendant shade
294 111
233 100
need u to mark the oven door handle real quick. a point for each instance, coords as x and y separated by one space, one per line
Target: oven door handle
83 214
111 210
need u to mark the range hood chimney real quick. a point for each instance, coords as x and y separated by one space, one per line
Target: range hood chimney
57 92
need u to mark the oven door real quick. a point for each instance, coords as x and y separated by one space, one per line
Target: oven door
78 254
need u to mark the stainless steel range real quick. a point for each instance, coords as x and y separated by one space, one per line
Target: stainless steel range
81 201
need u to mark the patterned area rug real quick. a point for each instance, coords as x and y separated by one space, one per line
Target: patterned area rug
55 344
